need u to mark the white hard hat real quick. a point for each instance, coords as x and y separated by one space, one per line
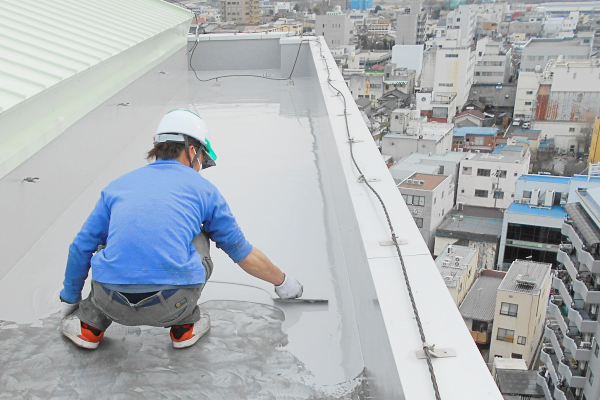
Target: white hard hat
179 122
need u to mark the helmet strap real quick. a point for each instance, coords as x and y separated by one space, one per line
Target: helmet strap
187 151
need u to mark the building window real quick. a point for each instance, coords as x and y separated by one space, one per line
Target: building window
526 194
498 194
522 340
516 355
571 129
509 309
501 173
529 92
483 172
451 55
462 190
590 375
481 193
446 84
467 170
411 200
479 141
596 348
419 222
506 335
527 103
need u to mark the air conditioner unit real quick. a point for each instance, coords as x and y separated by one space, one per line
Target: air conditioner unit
585 345
457 258
535 197
556 300
549 198
421 183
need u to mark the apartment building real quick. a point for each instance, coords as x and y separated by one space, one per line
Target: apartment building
408 134
373 84
495 65
520 311
437 107
429 198
538 51
571 351
527 89
241 11
410 24
458 268
488 180
567 103
337 29
462 20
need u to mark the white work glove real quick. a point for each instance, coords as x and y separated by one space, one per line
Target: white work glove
67 309
289 289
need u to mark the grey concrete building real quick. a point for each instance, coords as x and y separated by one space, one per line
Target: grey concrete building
495 65
526 27
539 51
337 29
410 25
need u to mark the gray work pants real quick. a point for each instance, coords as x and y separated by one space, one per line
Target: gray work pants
165 308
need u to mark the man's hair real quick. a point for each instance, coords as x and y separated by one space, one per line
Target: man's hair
170 150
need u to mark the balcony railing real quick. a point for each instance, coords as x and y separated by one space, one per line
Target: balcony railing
561 320
588 288
551 362
543 383
583 320
561 286
570 263
588 260
551 334
570 232
480 337
580 350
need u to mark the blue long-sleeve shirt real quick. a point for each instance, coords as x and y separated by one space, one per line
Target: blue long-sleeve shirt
147 220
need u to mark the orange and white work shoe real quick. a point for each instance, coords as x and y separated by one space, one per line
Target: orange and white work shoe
80 333
187 335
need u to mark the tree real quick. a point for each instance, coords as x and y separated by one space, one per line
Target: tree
297 7
377 8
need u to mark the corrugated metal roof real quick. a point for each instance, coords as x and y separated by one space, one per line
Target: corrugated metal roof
555 211
44 42
475 130
480 304
545 178
533 270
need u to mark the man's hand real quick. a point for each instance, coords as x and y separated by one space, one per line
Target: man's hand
289 289
67 309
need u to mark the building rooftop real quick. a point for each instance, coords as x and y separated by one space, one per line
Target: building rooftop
551 42
453 261
429 131
475 131
494 95
402 171
474 113
286 148
525 276
453 156
528 133
473 228
545 178
430 182
554 212
503 148
499 158
480 302
514 382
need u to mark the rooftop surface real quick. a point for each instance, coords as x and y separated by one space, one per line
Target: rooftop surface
475 131
450 269
480 302
519 383
471 228
430 181
499 158
545 178
453 156
535 271
284 165
429 130
554 212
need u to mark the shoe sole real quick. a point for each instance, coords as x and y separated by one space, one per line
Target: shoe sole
80 342
190 342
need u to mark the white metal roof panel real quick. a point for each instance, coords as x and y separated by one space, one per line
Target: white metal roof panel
45 42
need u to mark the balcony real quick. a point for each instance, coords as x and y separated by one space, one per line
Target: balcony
551 363
588 288
575 345
583 320
562 288
562 321
543 383
570 232
574 376
551 335
587 259
480 337
571 264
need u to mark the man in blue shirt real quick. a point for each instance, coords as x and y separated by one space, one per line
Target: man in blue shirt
146 242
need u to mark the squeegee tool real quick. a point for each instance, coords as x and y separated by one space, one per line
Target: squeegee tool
275 298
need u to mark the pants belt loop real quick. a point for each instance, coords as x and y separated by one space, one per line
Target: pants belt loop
161 298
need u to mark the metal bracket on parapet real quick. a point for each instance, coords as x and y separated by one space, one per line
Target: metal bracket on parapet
290 82
437 353
352 140
217 83
362 179
391 242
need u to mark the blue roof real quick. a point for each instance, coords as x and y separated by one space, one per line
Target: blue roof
475 130
522 140
503 146
585 178
545 178
555 211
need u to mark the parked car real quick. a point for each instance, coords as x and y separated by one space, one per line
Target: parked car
526 125
517 122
